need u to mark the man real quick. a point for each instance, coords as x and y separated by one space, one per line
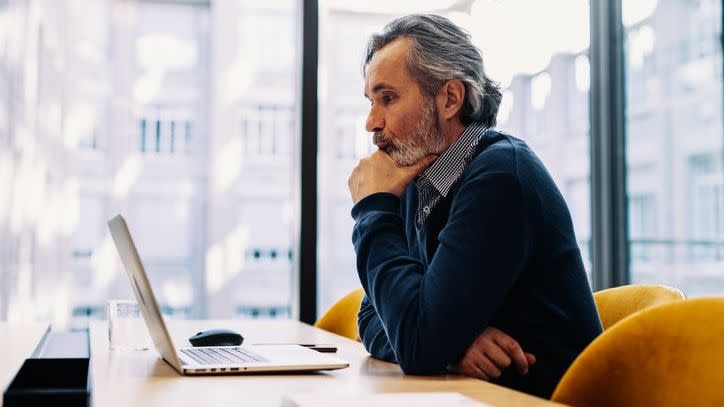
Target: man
461 236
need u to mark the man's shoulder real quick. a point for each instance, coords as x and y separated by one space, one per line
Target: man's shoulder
497 153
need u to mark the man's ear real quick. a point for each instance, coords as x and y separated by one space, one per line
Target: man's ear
450 98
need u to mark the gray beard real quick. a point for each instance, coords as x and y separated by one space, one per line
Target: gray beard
426 138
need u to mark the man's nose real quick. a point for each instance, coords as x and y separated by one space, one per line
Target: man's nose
375 121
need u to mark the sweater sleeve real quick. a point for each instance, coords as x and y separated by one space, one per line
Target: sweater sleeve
372 333
432 315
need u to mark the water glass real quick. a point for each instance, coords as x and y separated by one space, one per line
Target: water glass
126 327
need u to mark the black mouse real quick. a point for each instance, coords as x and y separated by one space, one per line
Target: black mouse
216 337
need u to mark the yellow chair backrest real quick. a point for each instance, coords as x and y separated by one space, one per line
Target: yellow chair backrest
341 317
667 355
617 303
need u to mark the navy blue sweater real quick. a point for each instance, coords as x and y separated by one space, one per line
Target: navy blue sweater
498 251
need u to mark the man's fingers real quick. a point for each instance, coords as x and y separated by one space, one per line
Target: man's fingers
488 367
497 355
494 351
470 369
513 349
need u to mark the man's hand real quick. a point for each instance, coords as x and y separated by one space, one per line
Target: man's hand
490 353
380 173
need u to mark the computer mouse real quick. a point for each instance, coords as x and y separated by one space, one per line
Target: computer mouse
216 337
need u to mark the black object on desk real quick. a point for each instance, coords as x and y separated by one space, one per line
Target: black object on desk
319 347
57 374
47 382
216 337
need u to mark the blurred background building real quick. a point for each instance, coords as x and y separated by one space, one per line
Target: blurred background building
182 116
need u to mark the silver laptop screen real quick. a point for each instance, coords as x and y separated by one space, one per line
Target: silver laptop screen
142 289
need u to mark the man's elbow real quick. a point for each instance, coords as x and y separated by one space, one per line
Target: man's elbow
423 366
380 352
377 347
413 368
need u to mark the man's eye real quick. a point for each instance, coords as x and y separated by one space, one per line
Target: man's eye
387 98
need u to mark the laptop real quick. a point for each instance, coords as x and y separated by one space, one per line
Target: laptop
209 359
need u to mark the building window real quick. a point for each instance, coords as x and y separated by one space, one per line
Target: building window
90 141
642 226
266 131
706 208
352 141
165 131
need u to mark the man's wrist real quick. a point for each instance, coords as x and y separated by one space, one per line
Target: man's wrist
379 201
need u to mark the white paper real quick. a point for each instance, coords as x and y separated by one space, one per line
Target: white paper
382 400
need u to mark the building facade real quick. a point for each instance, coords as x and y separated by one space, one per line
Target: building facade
183 117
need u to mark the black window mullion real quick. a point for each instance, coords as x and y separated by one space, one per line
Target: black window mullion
609 224
307 266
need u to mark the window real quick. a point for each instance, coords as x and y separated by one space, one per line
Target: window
674 144
265 132
545 102
183 116
5 81
179 115
250 255
642 226
165 131
350 140
578 197
706 208
264 259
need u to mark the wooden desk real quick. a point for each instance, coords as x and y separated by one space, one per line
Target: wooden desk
141 378
17 343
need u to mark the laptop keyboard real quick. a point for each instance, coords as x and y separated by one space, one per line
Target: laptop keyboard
222 355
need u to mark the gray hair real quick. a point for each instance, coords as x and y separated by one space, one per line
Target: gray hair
442 51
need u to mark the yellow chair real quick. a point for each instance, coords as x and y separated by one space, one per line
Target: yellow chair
341 317
667 355
617 303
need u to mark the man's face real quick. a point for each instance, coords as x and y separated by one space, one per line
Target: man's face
405 123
